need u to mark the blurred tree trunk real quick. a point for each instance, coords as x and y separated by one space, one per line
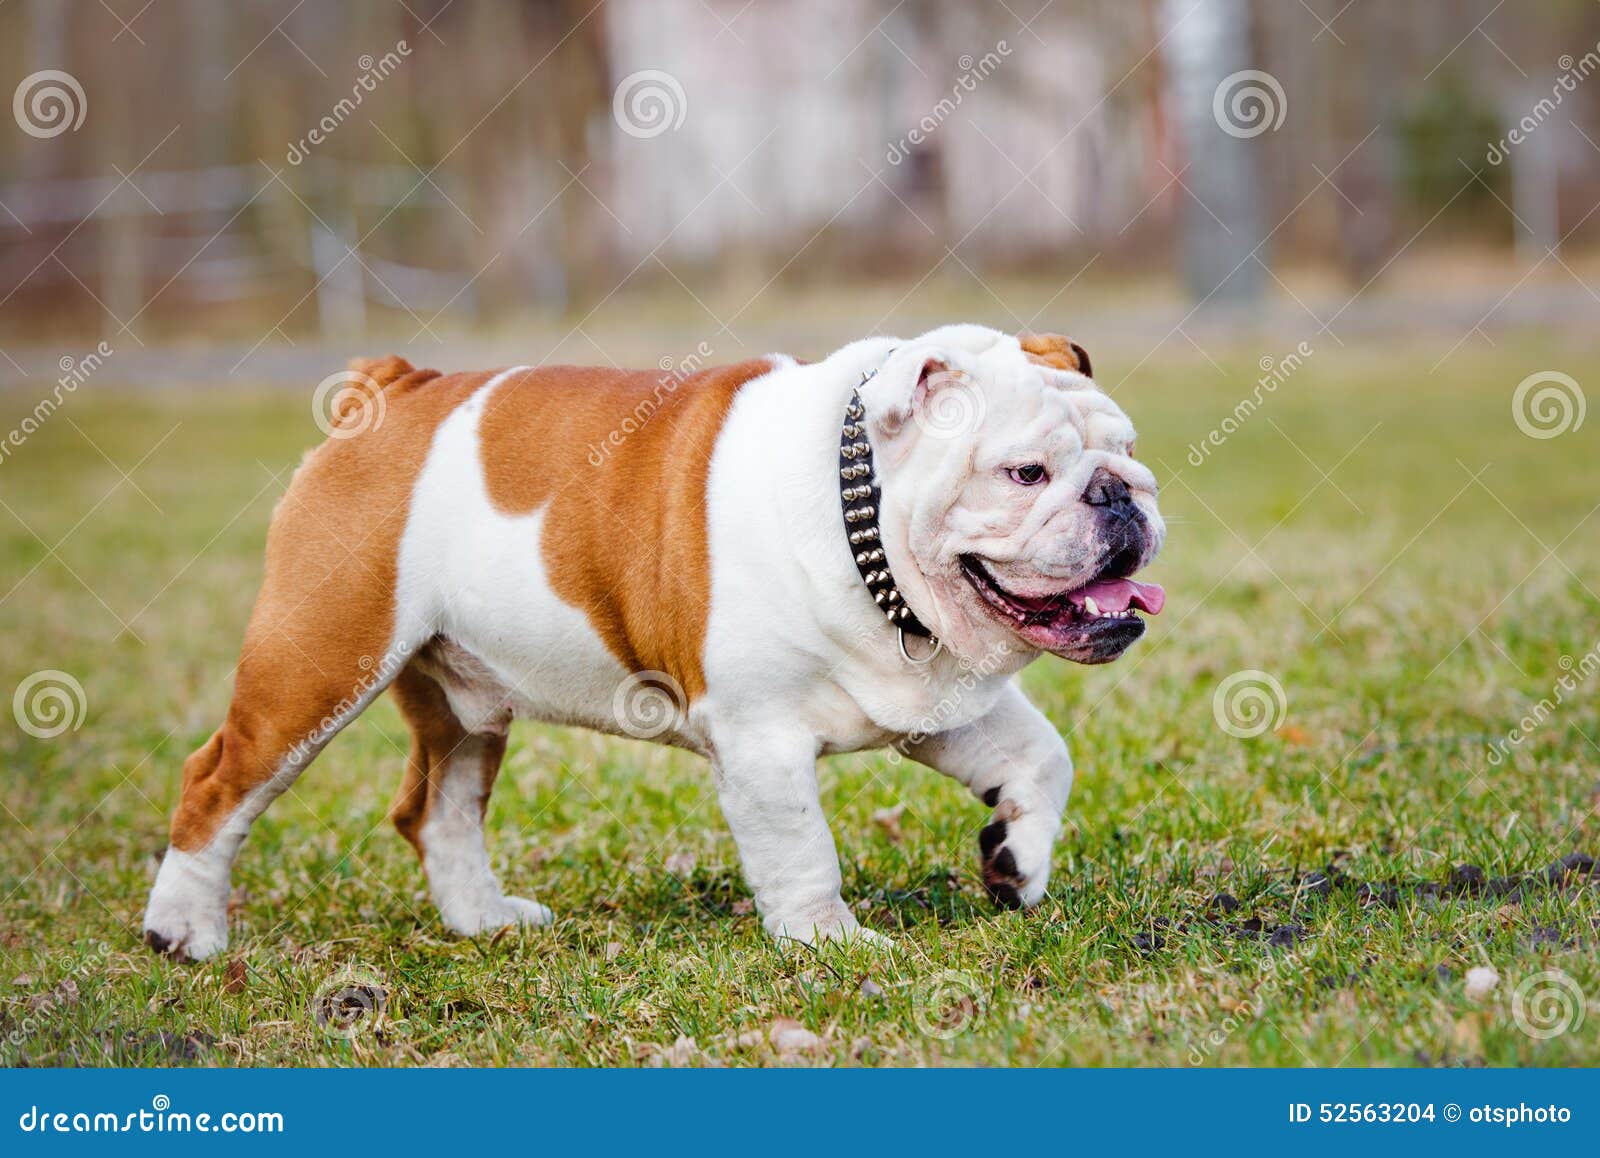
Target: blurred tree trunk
1364 184
47 48
212 101
1221 217
582 100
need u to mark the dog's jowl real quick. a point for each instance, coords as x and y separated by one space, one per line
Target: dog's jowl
776 560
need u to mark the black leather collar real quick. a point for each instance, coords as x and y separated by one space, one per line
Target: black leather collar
859 498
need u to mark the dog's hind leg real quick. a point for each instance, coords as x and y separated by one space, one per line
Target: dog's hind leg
440 807
331 628
286 706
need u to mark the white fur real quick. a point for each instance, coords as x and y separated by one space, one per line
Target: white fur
463 885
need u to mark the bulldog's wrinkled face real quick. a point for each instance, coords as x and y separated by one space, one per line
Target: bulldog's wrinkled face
1014 511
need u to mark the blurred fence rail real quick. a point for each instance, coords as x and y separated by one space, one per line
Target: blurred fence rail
193 239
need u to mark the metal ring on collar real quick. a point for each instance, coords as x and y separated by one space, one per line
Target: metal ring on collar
938 646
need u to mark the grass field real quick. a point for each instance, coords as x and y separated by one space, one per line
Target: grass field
1382 542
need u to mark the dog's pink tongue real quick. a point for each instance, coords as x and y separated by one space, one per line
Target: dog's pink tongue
1120 594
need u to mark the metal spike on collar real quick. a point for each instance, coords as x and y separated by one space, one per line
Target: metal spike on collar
859 503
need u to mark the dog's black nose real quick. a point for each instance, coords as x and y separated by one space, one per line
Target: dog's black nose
1122 525
1107 490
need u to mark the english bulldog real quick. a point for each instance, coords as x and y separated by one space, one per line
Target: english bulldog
762 563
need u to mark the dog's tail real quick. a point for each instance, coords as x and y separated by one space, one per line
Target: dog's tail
361 400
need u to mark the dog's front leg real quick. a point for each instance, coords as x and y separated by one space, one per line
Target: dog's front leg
1013 760
767 785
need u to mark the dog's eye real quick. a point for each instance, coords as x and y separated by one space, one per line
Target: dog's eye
1031 475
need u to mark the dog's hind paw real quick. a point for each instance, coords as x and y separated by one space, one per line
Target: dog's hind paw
187 917
185 940
503 912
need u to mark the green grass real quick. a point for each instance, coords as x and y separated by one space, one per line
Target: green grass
1411 614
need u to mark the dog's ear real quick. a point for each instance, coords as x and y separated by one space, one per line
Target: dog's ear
903 384
1057 351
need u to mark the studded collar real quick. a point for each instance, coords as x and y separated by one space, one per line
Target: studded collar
860 499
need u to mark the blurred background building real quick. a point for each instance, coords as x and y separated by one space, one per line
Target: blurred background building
263 172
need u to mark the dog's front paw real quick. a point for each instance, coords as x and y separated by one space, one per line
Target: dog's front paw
1016 857
838 925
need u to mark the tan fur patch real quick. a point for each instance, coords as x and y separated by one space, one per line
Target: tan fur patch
619 458
1057 351
325 613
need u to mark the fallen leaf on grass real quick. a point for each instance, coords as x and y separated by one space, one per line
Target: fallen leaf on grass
888 819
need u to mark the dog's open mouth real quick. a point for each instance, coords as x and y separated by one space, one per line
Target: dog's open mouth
1090 624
